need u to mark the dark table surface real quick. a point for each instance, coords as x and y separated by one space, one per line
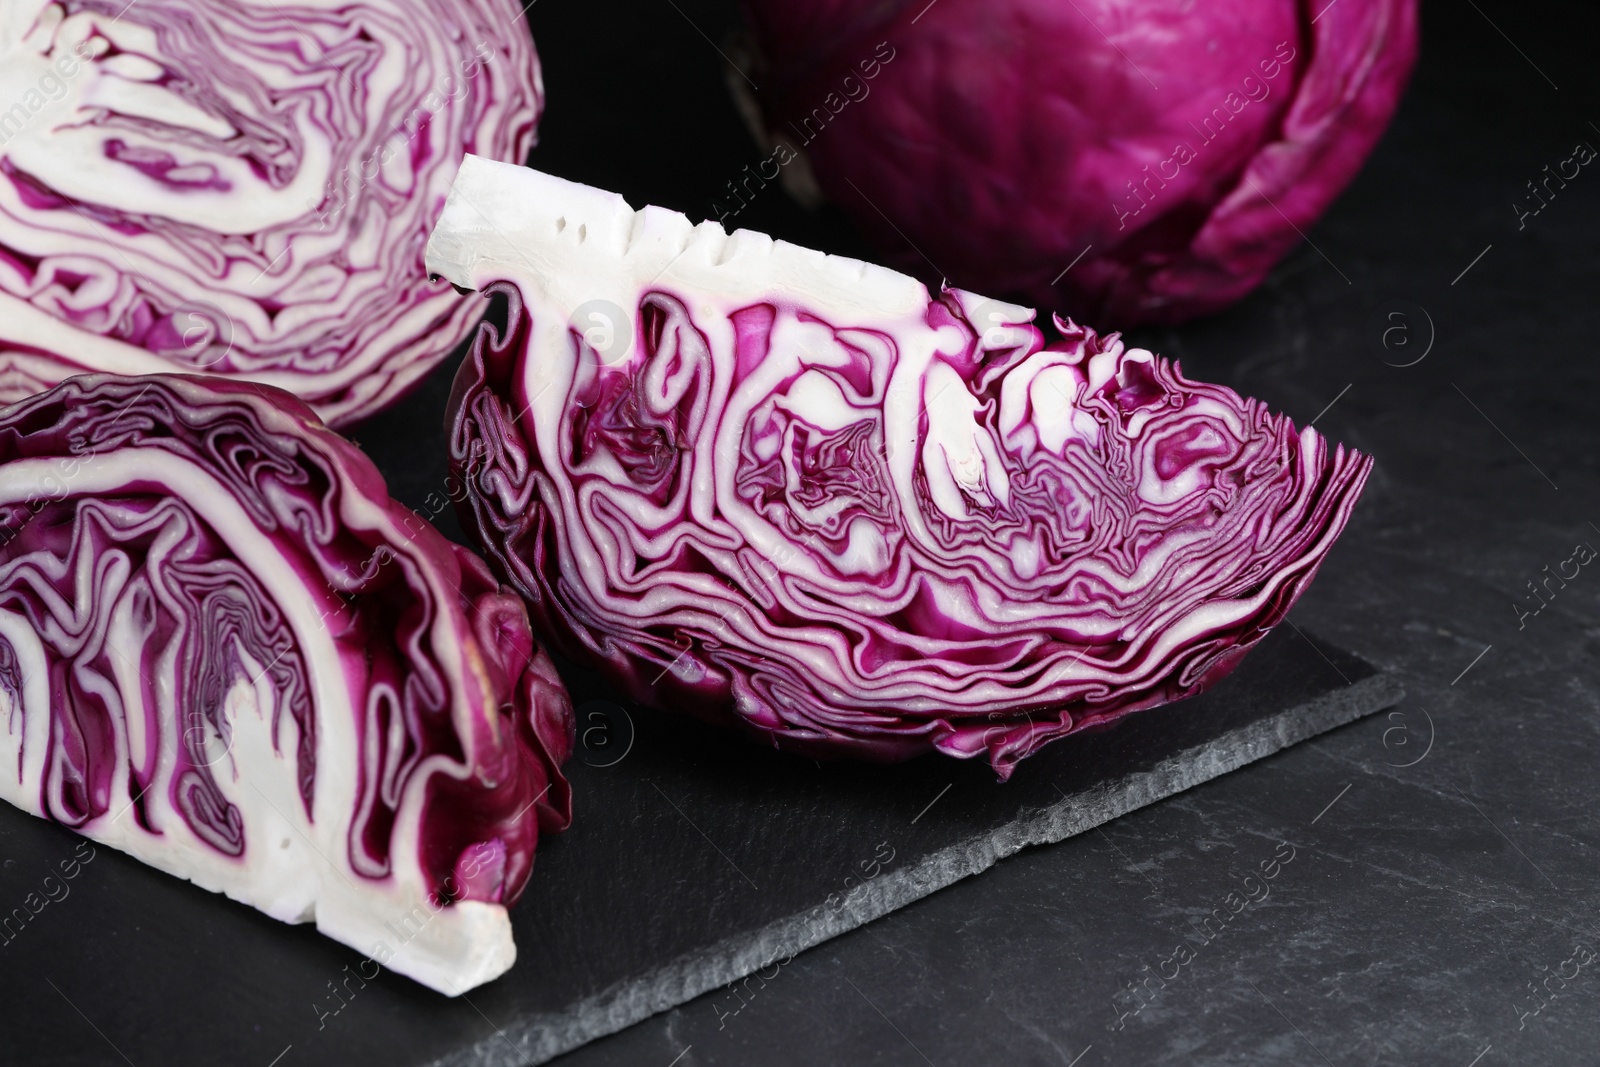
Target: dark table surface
1458 861
1435 864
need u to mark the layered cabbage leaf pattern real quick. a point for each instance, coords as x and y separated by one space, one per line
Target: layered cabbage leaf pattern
813 500
226 651
244 188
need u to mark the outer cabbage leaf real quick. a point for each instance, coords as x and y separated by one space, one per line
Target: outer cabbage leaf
798 494
1168 153
244 188
225 651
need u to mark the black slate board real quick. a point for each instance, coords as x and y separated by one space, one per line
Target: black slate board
701 859
695 859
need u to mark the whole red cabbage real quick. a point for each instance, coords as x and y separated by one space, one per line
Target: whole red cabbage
244 187
799 494
1168 152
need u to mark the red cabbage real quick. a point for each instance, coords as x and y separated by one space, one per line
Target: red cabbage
225 651
1168 153
244 189
797 493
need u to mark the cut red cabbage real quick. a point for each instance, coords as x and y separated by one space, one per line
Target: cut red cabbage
797 493
244 189
225 651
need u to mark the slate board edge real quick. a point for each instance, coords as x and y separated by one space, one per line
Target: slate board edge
542 1038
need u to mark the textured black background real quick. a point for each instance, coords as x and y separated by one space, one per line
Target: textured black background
1422 903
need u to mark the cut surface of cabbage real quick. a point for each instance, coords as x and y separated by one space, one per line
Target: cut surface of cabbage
802 495
225 651
244 188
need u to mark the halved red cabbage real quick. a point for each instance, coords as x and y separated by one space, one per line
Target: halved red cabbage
225 651
244 188
799 494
